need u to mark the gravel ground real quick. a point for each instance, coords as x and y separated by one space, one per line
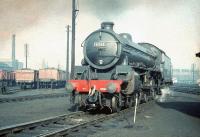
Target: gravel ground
15 113
173 114
33 92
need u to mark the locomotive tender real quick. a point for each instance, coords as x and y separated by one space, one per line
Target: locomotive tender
115 71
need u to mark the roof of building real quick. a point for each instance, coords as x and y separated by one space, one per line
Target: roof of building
4 66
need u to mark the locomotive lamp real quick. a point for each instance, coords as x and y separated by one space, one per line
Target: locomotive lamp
111 88
101 62
69 87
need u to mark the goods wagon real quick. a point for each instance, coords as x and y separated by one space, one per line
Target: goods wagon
51 78
27 78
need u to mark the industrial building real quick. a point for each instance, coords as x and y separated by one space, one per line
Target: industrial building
6 64
13 63
188 76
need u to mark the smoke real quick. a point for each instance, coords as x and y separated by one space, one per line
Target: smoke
104 9
22 16
165 94
18 15
113 8
173 26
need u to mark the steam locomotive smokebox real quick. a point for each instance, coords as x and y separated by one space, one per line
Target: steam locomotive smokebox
107 25
102 48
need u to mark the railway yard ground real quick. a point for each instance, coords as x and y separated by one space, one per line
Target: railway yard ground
173 114
24 95
31 92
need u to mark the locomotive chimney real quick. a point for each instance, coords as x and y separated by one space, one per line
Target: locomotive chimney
107 25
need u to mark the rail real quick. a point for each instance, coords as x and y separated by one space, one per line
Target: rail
58 126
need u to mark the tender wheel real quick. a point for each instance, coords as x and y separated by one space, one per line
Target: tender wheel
115 104
153 94
81 101
72 97
139 98
145 98
131 102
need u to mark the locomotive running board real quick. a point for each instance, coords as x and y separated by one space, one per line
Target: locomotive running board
100 85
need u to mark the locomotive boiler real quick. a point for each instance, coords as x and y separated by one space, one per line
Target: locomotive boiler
115 71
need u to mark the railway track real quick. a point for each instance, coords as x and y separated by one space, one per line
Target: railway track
12 90
190 89
61 125
32 97
9 90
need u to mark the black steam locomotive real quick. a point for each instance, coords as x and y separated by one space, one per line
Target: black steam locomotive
115 71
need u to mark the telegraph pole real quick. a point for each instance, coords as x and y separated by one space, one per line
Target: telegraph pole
74 14
67 57
26 53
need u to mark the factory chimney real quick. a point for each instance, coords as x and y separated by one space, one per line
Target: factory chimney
13 50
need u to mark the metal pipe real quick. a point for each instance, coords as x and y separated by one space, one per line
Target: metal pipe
73 38
135 110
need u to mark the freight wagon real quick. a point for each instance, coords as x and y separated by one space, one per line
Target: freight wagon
52 78
7 79
27 78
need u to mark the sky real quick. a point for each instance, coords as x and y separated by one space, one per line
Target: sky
172 25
